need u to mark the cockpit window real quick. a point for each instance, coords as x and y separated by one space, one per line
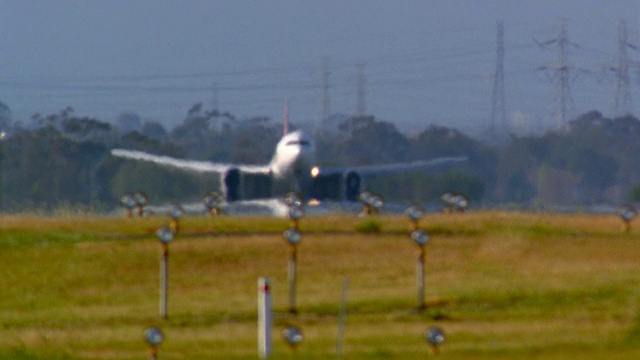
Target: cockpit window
299 142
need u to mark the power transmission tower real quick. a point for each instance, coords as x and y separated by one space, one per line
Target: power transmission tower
498 109
622 93
561 72
360 81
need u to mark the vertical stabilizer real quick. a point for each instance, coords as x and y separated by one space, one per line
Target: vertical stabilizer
285 126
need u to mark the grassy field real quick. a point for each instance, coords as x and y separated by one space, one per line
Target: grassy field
501 285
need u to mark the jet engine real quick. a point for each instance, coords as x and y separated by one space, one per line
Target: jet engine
244 186
336 186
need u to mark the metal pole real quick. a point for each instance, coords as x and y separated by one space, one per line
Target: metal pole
154 353
420 278
164 279
291 276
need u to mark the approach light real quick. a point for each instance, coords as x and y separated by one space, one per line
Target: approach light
377 203
212 202
176 212
365 196
420 237
460 202
628 212
293 198
435 337
293 336
315 171
292 236
165 235
128 202
296 213
153 336
447 200
415 212
140 199
372 203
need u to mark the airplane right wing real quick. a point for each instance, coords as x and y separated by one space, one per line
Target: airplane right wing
347 182
190 165
393 168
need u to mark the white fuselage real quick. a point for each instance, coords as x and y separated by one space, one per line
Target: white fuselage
294 156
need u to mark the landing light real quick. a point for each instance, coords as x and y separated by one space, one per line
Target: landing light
315 171
314 202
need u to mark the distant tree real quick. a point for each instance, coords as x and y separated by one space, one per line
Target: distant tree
5 117
373 142
255 140
86 129
129 122
154 130
634 193
597 170
518 189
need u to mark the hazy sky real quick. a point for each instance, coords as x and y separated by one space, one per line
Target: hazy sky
425 62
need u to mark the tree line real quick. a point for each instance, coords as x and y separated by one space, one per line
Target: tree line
63 160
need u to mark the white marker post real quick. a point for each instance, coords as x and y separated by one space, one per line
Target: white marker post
265 318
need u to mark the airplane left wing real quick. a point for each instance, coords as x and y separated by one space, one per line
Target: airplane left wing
190 165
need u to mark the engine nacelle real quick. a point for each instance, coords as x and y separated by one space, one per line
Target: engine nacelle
326 187
231 184
352 186
336 186
240 186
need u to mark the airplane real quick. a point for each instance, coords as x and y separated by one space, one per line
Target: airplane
293 167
